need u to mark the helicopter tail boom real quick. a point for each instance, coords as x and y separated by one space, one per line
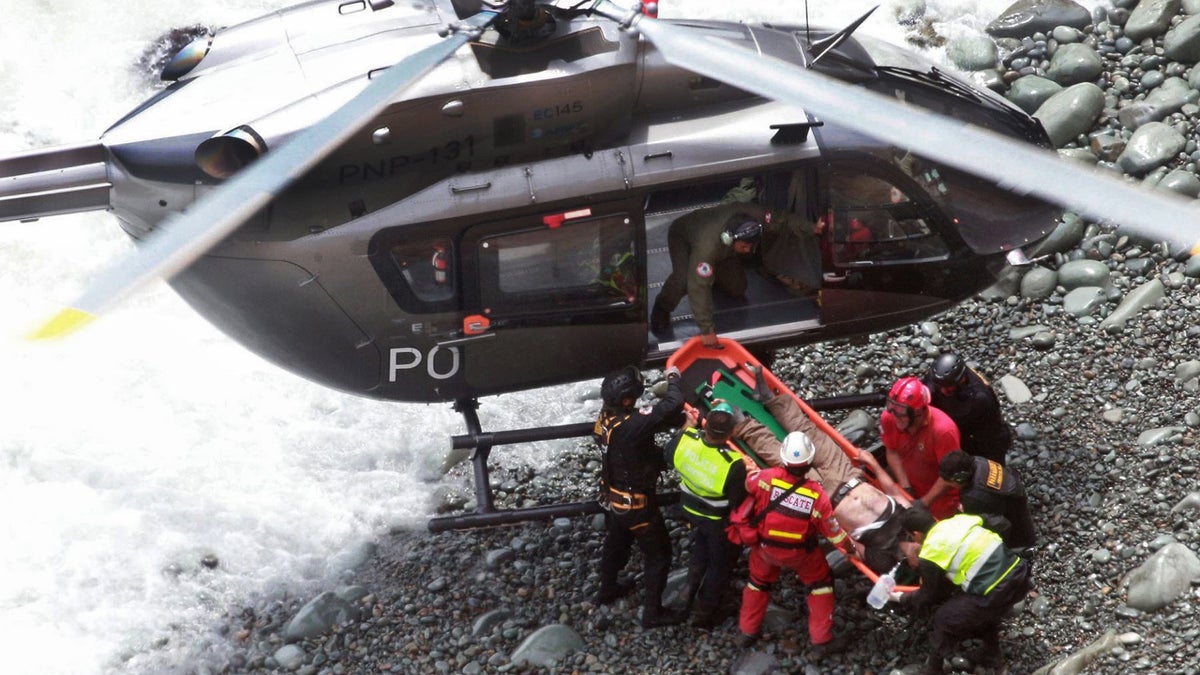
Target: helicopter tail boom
65 179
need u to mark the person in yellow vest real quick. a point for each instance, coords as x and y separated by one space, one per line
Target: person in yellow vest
793 512
960 553
713 477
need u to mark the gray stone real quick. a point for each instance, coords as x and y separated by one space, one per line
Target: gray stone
1152 145
1014 389
1182 43
1080 273
547 646
1191 6
488 621
1182 182
1031 91
1150 19
1152 437
972 53
1107 146
1064 237
1158 104
1022 332
289 657
1072 64
1141 297
319 616
754 662
1162 578
1188 370
857 425
1026 17
1038 283
1071 112
498 557
1192 267
1084 301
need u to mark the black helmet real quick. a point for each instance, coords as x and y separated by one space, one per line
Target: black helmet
741 227
947 369
624 384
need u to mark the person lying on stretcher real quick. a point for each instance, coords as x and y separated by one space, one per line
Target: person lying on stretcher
868 514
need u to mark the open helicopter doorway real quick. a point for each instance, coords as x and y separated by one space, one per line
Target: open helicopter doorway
853 241
784 274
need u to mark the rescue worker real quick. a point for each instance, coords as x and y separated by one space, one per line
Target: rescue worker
794 512
631 464
916 437
959 552
869 514
713 477
705 246
988 489
970 401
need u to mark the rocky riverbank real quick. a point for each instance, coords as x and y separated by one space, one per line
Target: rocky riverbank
1096 352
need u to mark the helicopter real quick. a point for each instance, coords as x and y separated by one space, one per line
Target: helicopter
490 212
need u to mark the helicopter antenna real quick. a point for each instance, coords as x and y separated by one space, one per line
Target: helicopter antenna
825 45
807 26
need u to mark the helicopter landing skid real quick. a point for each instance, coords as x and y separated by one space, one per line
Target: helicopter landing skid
486 514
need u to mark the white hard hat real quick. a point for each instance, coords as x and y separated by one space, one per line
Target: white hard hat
797 450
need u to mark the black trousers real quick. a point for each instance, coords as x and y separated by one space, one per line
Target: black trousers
967 615
646 527
713 558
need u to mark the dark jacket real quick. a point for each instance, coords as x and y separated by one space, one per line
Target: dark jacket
976 411
995 490
631 459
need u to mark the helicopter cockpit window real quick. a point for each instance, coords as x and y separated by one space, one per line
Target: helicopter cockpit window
876 221
581 264
427 268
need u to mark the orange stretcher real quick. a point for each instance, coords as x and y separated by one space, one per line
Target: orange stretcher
723 373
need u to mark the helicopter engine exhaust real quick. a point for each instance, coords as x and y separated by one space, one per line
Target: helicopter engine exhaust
227 153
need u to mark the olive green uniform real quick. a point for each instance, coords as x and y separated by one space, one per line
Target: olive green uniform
700 260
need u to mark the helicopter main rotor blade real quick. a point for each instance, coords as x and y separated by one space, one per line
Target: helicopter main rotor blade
1015 166
184 238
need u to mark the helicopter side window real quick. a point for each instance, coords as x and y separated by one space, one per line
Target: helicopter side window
876 221
589 263
427 268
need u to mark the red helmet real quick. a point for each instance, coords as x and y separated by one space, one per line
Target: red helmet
908 396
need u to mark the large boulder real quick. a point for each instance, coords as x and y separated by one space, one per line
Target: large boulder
1071 112
1165 576
1026 17
1152 145
1150 18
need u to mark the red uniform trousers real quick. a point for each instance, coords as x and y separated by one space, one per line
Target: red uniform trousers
765 565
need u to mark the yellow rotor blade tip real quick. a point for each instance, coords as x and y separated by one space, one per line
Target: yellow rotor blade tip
63 324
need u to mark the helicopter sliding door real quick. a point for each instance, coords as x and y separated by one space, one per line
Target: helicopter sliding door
554 294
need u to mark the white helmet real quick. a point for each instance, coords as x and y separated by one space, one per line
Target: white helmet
797 451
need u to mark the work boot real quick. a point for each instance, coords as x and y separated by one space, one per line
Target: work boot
705 618
987 654
610 594
662 617
932 665
745 641
827 649
762 392
660 319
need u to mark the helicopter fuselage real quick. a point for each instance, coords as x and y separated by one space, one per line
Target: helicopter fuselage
503 225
